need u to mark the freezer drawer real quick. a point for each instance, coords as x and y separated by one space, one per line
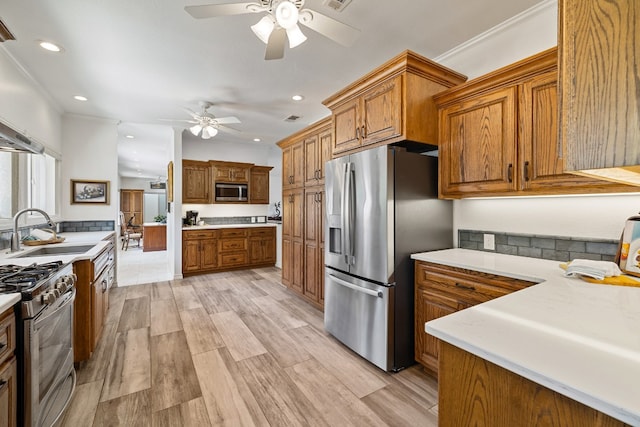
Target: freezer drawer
357 313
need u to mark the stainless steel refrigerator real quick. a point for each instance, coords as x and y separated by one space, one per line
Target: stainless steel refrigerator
382 206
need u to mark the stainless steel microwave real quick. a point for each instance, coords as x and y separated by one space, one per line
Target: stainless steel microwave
229 192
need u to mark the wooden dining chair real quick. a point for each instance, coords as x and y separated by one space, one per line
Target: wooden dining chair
127 233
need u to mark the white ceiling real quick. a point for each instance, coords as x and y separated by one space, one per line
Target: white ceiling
141 60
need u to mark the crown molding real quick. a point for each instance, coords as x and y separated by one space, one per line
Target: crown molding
513 21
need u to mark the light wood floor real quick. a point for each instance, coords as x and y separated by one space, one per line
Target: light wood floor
235 349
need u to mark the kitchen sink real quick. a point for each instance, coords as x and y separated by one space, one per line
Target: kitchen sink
55 250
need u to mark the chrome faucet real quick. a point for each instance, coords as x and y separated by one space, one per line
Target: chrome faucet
15 236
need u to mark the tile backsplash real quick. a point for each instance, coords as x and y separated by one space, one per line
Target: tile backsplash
540 246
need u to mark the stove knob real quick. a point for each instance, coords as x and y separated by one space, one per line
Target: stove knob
56 293
48 298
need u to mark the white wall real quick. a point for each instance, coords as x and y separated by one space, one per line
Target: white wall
599 216
26 107
89 151
138 184
258 154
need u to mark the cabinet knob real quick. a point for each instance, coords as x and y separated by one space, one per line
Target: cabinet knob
510 172
526 171
467 287
363 135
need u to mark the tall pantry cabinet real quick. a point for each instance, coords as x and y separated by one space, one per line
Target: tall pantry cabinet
303 157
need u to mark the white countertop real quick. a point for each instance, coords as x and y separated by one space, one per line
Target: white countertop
154 224
95 238
8 300
215 227
577 338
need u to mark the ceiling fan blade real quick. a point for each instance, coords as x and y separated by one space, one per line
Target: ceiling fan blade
192 113
213 10
178 120
227 120
335 30
228 129
275 47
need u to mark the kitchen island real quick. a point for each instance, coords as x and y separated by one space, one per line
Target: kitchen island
578 339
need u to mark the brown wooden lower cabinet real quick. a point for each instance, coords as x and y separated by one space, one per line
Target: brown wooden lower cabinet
475 392
155 238
211 250
92 301
442 290
8 369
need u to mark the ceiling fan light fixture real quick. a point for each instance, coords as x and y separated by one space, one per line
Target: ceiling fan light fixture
209 132
195 129
263 28
295 36
287 15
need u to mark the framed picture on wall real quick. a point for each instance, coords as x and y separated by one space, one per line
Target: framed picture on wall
89 192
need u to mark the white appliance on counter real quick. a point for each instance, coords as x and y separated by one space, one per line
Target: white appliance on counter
382 205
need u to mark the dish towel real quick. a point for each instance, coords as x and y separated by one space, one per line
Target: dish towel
596 269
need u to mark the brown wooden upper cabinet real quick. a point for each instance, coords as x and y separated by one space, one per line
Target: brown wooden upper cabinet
599 44
259 185
392 103
499 135
293 165
230 172
199 179
196 181
317 150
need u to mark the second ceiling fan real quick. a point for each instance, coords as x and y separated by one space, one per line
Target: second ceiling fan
281 23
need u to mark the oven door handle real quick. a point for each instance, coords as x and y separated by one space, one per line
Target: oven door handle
66 403
69 300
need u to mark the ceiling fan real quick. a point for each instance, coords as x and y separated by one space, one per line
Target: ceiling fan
281 23
207 123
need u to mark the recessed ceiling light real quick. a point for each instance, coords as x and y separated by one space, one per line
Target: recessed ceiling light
297 97
80 98
256 139
51 47
129 136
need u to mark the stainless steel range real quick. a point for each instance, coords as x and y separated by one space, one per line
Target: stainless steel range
46 377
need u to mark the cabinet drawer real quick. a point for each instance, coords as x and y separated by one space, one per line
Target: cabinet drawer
200 234
233 244
261 232
233 232
7 335
8 392
234 258
471 286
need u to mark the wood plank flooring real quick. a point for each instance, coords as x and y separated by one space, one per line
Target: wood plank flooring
235 349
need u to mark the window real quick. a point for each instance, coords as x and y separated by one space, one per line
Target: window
27 180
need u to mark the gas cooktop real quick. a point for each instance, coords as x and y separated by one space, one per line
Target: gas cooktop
20 278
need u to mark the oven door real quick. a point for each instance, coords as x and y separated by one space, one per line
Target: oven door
49 374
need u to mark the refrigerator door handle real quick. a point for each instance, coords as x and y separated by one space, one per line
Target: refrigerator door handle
343 213
356 288
351 213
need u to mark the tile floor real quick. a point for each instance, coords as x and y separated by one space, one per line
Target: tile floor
136 267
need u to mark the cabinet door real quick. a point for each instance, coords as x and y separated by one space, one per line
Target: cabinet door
208 253
287 261
287 167
297 275
346 127
259 187
269 248
190 255
222 174
9 393
256 252
312 244
541 162
325 142
97 307
429 306
240 174
599 41
311 153
297 164
478 144
382 112
195 182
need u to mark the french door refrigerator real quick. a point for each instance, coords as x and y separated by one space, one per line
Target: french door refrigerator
382 206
